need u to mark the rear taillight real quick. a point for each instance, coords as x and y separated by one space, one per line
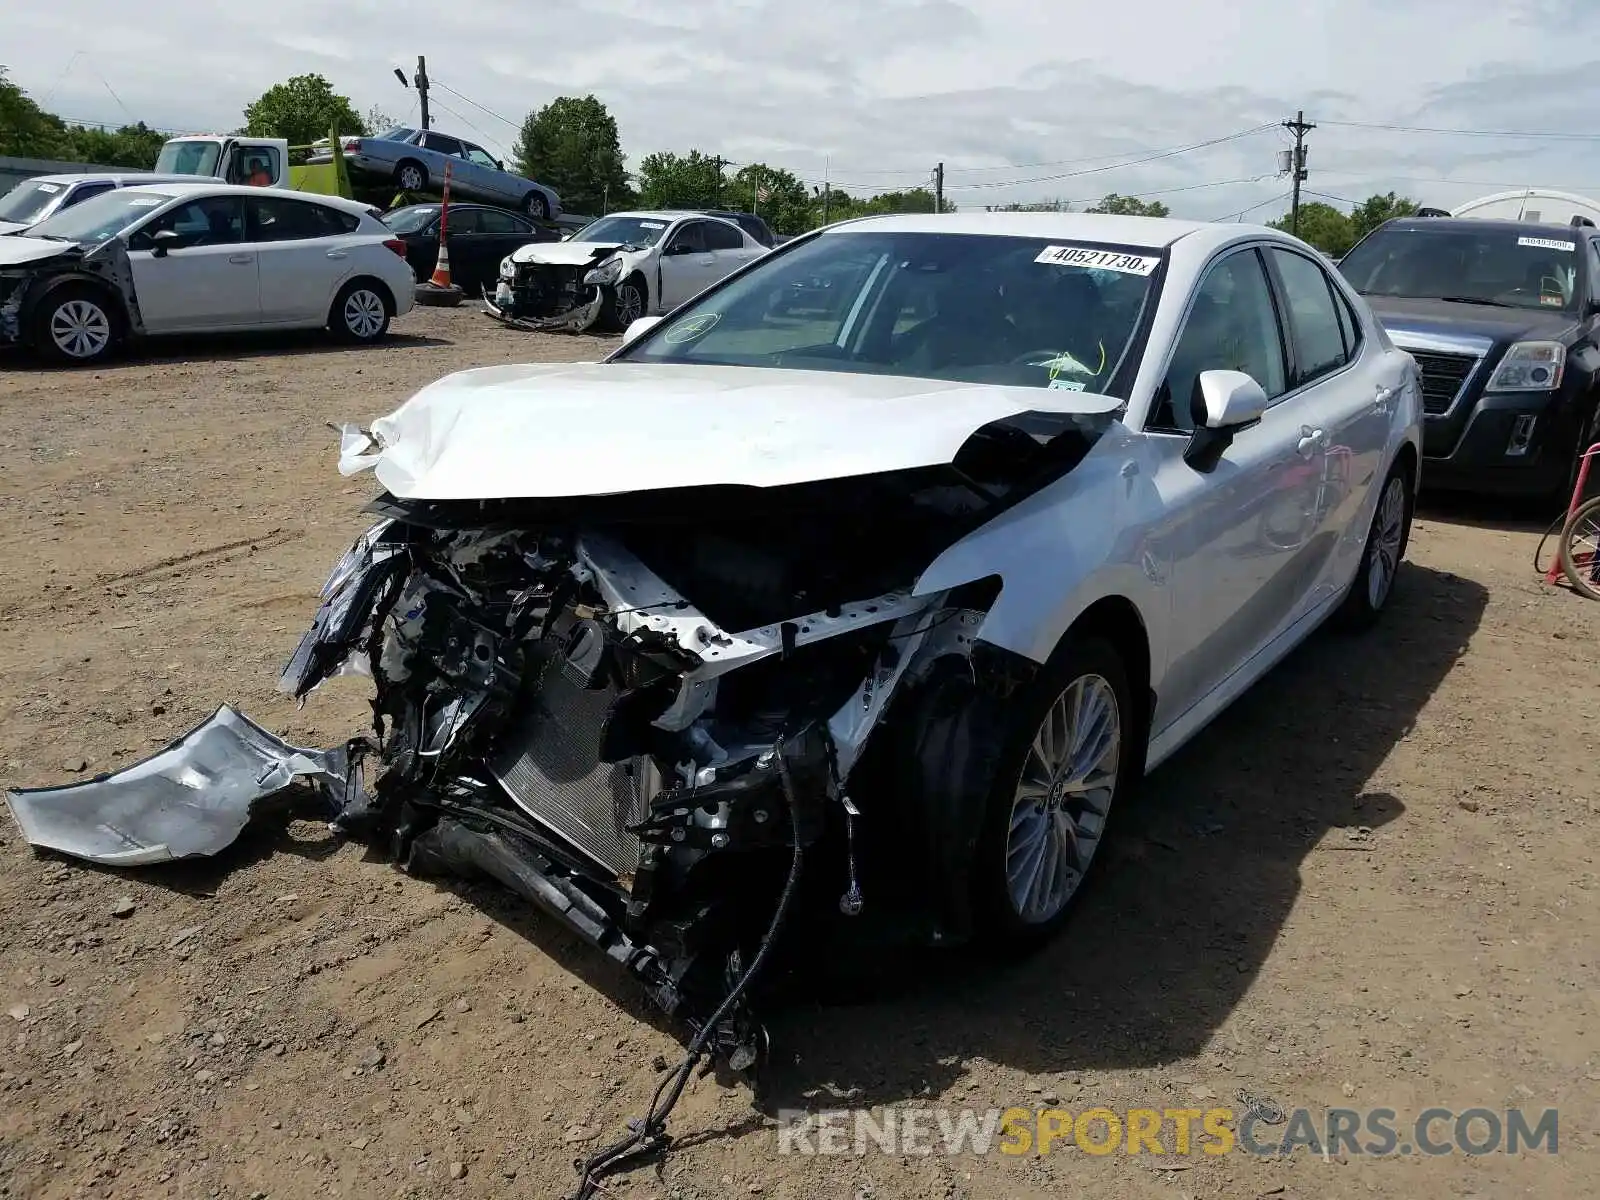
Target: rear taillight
350 145
396 245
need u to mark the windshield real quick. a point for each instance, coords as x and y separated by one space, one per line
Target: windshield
99 218
628 231
28 199
189 158
1496 266
964 307
411 220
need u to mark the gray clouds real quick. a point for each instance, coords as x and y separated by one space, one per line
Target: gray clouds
874 92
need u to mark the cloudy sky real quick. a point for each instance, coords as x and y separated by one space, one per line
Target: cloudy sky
1020 99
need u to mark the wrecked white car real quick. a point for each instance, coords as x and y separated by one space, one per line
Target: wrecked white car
618 269
871 609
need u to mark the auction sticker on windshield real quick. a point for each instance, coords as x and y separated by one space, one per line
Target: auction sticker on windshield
1547 244
1100 260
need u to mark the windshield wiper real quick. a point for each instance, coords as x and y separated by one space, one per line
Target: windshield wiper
1476 300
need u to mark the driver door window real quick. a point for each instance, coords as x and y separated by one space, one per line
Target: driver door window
214 221
1232 326
689 239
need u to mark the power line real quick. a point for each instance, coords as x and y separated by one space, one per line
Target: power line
1132 162
1524 134
517 125
1260 204
452 112
1515 185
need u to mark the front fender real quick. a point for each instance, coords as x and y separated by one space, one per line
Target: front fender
1080 540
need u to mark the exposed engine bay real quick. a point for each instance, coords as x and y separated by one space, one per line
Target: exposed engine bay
551 296
636 710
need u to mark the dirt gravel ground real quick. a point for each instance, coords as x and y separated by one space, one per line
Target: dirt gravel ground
1370 884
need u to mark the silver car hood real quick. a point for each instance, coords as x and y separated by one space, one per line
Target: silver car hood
590 429
564 254
17 251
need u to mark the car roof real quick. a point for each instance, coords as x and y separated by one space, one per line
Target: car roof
213 187
1153 232
1485 224
69 177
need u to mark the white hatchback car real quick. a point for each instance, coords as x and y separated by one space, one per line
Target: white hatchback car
201 257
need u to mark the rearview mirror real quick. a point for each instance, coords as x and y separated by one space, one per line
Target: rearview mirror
638 326
162 241
1224 403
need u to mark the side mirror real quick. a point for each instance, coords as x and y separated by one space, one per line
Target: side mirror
1224 403
637 326
162 241
1230 399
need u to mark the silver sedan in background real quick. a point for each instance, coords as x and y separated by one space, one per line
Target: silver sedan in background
414 160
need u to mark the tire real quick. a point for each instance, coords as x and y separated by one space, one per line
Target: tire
361 312
78 324
411 176
629 301
1579 576
1085 682
1385 550
536 207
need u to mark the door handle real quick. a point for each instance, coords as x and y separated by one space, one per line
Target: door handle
242 259
1310 441
337 254
708 261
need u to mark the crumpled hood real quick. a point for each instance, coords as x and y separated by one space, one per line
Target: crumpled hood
569 254
10 227
19 251
591 429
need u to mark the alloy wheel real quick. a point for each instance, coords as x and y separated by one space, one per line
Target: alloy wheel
1388 531
1063 798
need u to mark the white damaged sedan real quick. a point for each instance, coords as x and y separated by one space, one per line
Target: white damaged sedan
618 268
864 586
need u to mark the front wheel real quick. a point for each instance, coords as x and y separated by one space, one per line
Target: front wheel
1071 750
75 324
536 206
360 313
1383 553
629 302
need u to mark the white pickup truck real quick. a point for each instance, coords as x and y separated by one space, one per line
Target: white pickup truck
263 162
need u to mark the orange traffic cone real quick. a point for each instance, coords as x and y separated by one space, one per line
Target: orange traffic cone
439 291
441 270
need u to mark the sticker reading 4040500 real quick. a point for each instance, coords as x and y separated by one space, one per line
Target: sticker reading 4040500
1099 260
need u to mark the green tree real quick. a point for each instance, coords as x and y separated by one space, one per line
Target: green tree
378 121
671 180
778 195
130 146
571 144
1375 210
1129 206
302 109
1057 205
26 130
1324 226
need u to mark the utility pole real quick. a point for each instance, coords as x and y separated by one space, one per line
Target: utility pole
1299 127
716 186
421 82
827 192
938 188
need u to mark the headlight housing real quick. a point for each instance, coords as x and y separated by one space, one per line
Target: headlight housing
606 273
508 269
1530 367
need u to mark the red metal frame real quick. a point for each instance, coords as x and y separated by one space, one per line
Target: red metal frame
1554 574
